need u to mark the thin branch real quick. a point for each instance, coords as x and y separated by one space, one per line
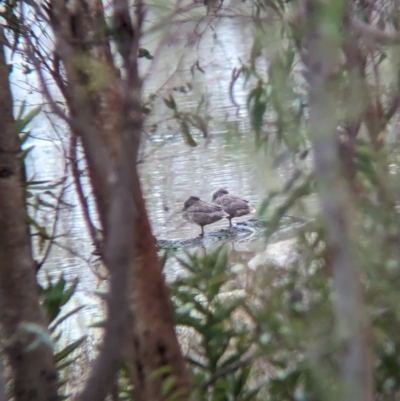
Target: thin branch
44 88
55 71
372 35
393 106
82 199
235 75
54 227
226 371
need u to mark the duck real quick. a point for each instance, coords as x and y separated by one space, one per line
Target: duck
202 213
231 204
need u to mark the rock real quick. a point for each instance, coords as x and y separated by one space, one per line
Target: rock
280 254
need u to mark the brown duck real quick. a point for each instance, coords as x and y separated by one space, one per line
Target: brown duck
201 213
232 205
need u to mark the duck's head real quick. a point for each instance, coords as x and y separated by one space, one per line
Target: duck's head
219 193
190 201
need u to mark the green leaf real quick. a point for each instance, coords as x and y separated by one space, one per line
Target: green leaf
255 50
233 359
241 380
266 203
170 103
187 263
196 363
41 334
281 5
164 258
56 337
289 59
21 110
251 394
65 364
64 397
186 134
167 385
144 53
64 317
69 292
161 371
22 122
101 294
52 297
257 103
189 321
40 182
225 310
214 285
382 57
178 395
59 356
60 285
98 325
24 152
23 138
41 230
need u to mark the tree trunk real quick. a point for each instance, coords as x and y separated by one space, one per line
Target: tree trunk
34 373
112 109
154 336
3 391
321 57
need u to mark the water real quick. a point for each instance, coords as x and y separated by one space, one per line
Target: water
170 171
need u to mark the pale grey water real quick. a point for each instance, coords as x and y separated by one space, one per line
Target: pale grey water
171 170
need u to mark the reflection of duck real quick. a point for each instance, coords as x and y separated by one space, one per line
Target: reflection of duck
233 205
201 213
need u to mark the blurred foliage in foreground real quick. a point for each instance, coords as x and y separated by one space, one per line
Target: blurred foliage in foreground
278 342
293 340
274 343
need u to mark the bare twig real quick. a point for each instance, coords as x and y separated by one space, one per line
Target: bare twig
81 195
235 75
